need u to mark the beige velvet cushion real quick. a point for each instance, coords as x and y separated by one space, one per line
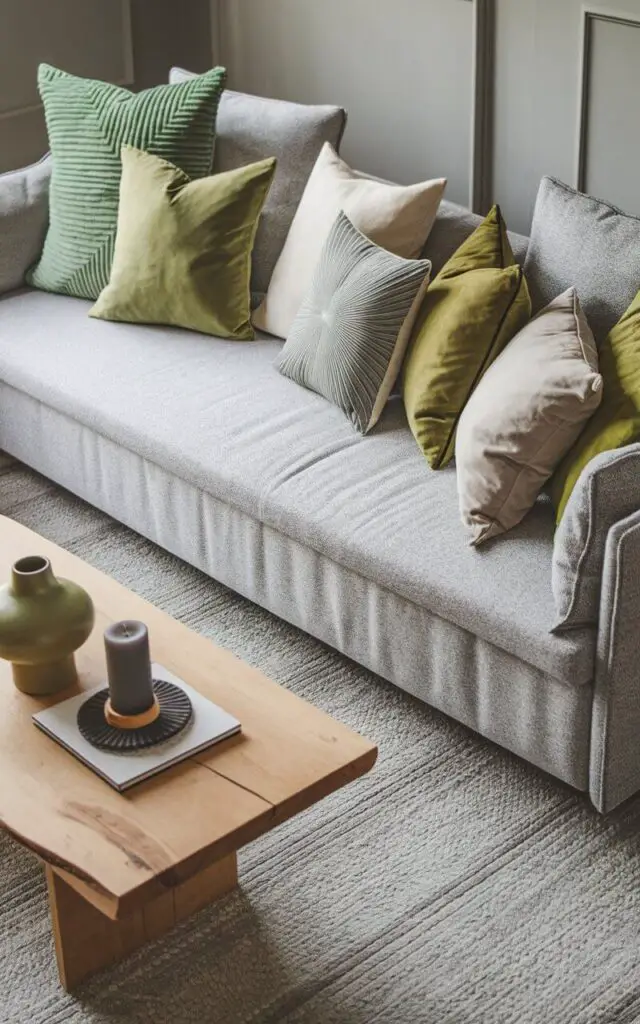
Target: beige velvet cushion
524 415
396 217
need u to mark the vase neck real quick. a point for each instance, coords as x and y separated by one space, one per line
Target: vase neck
31 575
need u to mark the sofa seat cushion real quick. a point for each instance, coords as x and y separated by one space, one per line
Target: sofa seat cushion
217 414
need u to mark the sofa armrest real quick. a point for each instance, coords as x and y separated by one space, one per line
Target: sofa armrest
24 215
614 767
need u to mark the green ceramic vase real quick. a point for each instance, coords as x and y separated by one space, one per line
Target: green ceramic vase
43 620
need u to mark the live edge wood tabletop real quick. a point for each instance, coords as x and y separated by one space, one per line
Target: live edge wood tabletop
123 868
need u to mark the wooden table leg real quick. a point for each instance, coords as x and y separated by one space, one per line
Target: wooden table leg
86 940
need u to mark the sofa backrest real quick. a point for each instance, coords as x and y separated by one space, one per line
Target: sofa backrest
453 225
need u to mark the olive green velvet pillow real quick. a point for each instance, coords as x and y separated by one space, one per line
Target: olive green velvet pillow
617 421
475 305
183 248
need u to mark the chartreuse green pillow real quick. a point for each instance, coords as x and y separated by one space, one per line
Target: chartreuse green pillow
183 248
475 305
88 123
617 420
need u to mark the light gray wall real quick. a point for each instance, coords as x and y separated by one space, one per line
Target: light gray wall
133 42
538 101
403 68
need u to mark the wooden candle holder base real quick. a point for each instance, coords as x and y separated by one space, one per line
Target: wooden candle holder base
131 721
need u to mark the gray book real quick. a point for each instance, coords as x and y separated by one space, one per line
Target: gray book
209 724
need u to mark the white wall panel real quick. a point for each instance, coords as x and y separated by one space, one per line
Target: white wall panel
403 69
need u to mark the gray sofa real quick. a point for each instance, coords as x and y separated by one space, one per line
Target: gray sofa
201 446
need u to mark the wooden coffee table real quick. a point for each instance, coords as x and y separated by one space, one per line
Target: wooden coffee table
123 869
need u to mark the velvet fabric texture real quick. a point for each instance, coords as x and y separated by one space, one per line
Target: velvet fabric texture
525 414
475 305
183 248
88 122
617 421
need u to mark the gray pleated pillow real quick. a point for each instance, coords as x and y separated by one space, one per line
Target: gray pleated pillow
349 338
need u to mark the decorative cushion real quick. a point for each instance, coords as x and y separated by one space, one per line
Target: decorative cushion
253 128
478 301
394 217
452 227
525 413
350 335
617 421
24 214
576 239
183 248
607 491
88 123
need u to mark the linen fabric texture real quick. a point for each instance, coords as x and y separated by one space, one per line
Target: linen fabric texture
524 415
370 505
617 422
88 123
395 217
607 491
582 241
24 215
349 338
475 305
183 248
254 128
504 698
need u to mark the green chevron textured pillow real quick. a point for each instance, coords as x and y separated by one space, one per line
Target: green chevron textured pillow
88 123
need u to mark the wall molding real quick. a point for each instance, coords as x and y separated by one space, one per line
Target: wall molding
590 15
128 77
482 105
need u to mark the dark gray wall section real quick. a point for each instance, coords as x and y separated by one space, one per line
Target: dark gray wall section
90 38
167 32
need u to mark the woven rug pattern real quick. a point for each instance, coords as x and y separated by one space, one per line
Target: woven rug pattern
453 885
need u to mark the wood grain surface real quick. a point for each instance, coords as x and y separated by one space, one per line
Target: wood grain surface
120 851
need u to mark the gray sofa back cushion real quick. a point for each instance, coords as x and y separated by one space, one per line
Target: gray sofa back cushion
582 241
24 215
252 128
452 227
607 491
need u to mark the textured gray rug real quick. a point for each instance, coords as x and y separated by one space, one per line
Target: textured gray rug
453 885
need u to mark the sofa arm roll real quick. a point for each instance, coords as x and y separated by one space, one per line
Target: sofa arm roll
24 215
614 767
607 491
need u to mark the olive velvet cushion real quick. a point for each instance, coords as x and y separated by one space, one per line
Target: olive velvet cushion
617 421
88 123
183 248
475 305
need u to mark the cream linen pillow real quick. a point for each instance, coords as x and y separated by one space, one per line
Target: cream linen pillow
524 415
396 217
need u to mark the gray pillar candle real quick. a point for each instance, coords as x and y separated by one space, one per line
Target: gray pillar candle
128 667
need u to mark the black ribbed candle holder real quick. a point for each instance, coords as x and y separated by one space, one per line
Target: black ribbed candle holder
175 714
